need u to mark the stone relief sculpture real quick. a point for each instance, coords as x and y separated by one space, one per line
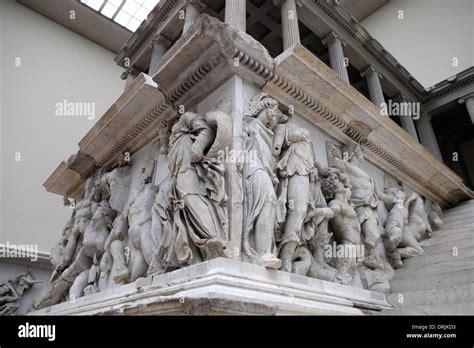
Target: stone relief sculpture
303 232
293 208
365 201
417 227
395 224
297 173
344 221
260 199
74 260
12 290
196 190
435 213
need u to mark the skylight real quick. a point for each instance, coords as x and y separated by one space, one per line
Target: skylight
127 13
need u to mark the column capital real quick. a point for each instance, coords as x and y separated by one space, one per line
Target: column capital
462 100
370 70
330 38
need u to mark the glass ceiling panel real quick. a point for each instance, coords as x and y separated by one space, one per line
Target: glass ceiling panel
127 13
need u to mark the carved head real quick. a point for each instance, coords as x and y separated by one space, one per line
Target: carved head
352 152
335 182
106 210
396 193
266 110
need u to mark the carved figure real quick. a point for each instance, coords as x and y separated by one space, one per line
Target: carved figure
344 221
297 173
260 200
365 202
12 291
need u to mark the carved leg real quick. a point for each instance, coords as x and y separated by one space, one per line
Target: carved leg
77 288
264 237
138 264
65 281
69 250
122 274
371 232
286 255
394 236
409 240
302 261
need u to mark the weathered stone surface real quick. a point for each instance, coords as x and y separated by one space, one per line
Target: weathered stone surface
223 286
303 81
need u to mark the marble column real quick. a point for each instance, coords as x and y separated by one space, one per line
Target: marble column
289 23
336 55
427 135
159 46
469 101
406 120
236 14
193 9
373 83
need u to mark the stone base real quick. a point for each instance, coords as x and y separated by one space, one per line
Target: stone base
226 287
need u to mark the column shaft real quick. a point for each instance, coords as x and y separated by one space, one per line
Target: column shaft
374 86
336 55
409 126
192 12
235 14
289 23
406 120
427 135
157 52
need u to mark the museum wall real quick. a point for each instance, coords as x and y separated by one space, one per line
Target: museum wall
428 37
55 65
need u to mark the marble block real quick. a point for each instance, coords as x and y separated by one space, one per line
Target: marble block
226 287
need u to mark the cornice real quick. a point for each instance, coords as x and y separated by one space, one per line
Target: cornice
165 12
449 91
296 77
300 79
186 79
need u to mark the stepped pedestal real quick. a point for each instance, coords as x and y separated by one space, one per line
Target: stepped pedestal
442 281
223 286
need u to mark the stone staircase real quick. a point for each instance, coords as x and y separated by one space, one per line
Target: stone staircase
442 281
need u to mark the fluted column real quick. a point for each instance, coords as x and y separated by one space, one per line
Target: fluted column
235 14
406 119
336 55
469 101
159 46
373 83
193 9
289 23
427 135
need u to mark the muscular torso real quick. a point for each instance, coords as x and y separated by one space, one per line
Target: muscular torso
83 216
140 212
